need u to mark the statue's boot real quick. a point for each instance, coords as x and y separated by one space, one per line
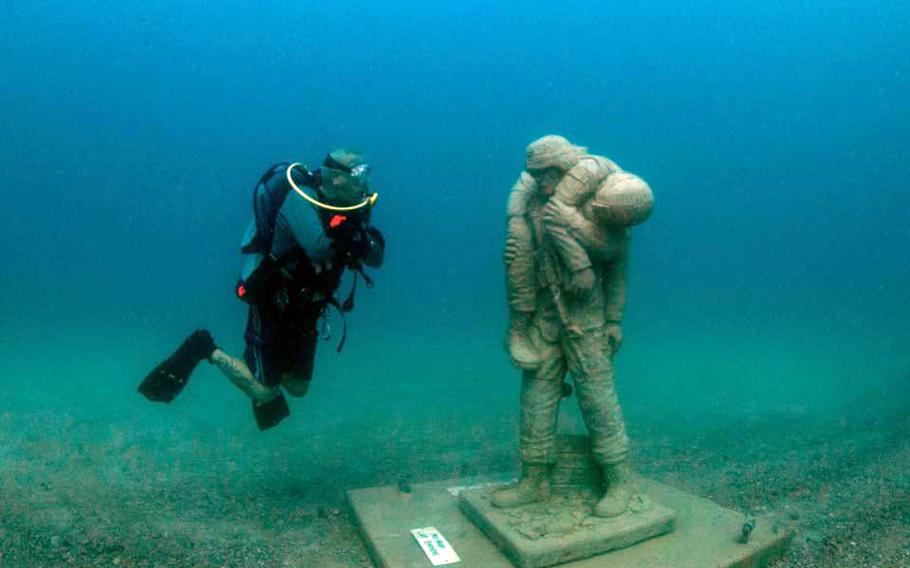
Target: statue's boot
522 351
621 485
533 486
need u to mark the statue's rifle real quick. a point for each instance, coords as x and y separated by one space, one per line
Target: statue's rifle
552 280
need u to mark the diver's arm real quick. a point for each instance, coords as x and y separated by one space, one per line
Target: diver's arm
360 247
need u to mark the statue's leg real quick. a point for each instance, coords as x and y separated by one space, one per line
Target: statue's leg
521 286
591 364
540 398
541 392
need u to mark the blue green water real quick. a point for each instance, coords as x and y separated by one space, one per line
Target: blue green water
770 284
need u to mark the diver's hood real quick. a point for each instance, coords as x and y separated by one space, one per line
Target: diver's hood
345 177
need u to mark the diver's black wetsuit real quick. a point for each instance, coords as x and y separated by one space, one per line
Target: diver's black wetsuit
296 256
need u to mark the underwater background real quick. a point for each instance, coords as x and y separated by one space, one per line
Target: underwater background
766 361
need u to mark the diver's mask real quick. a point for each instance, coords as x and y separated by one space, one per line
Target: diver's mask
345 185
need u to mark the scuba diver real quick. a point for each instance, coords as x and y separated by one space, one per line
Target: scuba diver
296 249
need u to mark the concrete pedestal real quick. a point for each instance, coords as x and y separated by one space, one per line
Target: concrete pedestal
706 535
562 528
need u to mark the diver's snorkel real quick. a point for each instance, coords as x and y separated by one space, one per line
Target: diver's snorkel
369 201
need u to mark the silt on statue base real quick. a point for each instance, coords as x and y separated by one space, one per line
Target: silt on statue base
563 526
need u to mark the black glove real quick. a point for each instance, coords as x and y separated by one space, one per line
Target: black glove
374 253
364 246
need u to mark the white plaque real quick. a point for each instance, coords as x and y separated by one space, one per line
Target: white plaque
435 546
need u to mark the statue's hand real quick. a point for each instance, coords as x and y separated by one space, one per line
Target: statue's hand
614 337
512 250
557 213
581 282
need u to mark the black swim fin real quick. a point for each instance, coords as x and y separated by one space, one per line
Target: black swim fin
269 414
167 379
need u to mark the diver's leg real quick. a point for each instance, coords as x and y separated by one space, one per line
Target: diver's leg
269 405
297 382
281 347
295 386
239 373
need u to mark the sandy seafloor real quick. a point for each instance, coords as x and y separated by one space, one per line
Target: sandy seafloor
92 475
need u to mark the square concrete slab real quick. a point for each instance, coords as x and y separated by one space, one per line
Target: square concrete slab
562 529
706 535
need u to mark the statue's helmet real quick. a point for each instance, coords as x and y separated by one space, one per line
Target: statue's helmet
345 177
623 200
552 152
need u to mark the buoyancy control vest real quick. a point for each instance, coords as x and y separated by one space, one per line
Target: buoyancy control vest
291 277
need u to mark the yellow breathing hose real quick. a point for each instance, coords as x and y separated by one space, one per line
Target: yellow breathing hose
368 201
